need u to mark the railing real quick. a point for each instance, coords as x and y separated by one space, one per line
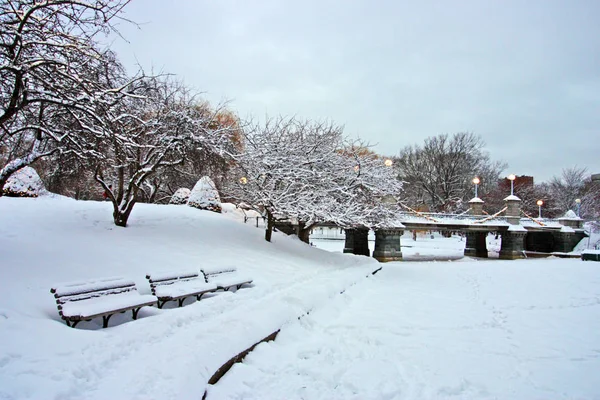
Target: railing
448 218
246 219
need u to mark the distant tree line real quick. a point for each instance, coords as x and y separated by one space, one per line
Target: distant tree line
438 177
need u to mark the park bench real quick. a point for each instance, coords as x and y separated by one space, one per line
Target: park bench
590 255
171 286
84 301
225 277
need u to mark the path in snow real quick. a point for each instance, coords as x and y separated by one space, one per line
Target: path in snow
472 330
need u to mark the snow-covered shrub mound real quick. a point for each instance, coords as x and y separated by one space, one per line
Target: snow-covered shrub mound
180 196
205 196
24 183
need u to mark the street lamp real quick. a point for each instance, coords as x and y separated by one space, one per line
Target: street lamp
512 178
476 182
388 163
540 203
578 202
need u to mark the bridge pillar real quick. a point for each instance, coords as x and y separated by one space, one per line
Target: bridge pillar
565 241
513 244
476 205
387 245
513 209
357 241
476 244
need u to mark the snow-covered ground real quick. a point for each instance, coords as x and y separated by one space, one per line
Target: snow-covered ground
165 354
463 329
469 330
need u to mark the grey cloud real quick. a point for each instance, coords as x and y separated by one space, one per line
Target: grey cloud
523 74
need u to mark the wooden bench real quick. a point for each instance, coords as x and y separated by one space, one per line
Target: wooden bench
225 277
171 286
84 301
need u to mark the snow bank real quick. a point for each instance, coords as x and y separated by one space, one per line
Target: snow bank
165 354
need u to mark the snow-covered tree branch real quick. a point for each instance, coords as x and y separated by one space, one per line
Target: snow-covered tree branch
47 49
306 171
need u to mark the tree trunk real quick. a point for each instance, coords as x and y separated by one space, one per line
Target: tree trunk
121 216
304 232
2 183
270 224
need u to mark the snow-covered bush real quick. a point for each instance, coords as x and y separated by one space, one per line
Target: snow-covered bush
205 196
180 196
24 183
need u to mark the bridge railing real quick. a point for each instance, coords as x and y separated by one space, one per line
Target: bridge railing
449 218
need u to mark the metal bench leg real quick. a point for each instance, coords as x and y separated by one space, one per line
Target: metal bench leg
180 301
135 312
71 323
105 319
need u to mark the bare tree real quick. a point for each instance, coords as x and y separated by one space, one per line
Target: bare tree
575 183
46 47
439 174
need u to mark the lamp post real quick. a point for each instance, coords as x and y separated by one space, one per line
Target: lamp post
512 178
540 203
578 202
388 162
476 182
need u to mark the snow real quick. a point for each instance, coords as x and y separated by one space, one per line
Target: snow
570 215
517 228
99 305
474 329
166 353
25 182
512 197
181 288
71 288
439 331
590 251
476 200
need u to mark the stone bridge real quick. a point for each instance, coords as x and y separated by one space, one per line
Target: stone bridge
520 236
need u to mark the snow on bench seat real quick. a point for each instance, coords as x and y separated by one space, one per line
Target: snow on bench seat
86 300
170 286
225 277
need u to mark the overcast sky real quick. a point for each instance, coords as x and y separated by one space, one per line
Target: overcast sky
525 75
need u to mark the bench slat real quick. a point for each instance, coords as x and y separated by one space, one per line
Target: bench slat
77 288
88 309
171 276
225 277
188 288
86 300
170 286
